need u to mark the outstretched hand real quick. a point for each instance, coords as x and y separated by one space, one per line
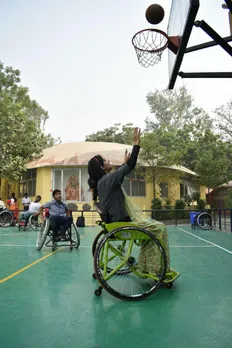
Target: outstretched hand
137 133
126 156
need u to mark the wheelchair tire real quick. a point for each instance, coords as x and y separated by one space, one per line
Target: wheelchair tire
120 294
75 237
97 240
205 221
6 218
33 225
42 234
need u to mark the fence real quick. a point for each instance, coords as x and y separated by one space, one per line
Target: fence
174 217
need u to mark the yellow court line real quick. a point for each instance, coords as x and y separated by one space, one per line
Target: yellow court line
28 266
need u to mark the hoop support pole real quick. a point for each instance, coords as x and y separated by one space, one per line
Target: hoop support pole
214 35
205 75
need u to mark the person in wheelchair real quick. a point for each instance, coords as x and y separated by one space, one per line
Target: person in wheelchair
32 210
115 205
60 215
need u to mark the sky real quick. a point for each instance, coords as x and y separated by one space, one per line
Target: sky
78 62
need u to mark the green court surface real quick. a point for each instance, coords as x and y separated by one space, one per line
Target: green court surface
51 303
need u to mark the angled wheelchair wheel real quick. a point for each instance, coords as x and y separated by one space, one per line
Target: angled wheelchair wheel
75 237
42 234
6 218
142 254
205 221
35 222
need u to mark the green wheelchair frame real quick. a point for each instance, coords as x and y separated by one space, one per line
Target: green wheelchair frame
134 236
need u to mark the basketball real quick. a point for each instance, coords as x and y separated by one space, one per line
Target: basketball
155 14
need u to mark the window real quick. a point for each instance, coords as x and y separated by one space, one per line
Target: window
187 188
163 190
134 183
72 183
28 183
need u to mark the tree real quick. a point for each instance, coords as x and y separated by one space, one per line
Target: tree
21 122
161 148
224 119
122 134
212 161
175 109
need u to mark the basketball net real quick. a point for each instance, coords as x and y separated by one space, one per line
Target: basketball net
149 45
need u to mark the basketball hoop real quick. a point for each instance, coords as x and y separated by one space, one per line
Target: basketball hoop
149 45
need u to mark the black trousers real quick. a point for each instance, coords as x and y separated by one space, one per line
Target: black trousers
61 223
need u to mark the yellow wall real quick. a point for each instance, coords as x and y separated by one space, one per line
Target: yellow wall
44 188
7 187
44 183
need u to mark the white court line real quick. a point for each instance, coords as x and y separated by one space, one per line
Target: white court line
206 241
17 245
90 246
17 234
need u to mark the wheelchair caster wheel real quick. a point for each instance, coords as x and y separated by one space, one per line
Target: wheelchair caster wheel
169 285
98 292
94 276
71 248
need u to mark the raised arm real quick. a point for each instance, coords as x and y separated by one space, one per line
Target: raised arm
117 176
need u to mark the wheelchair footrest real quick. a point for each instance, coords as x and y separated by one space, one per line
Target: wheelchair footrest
171 276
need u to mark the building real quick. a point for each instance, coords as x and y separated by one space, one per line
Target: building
64 166
216 198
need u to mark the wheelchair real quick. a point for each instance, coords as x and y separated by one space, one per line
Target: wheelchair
203 220
123 257
46 236
6 218
34 222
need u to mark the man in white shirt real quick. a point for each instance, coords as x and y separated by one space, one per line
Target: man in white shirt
2 204
26 201
32 210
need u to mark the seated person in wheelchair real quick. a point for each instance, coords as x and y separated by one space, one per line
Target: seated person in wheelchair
32 210
60 215
2 205
115 205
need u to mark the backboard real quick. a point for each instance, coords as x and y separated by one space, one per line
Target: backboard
149 44
182 17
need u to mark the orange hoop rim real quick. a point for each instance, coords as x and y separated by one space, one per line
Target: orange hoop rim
156 50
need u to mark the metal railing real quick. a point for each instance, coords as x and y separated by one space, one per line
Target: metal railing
173 217
170 217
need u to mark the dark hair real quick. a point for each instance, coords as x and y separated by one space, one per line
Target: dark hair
96 172
13 196
55 192
25 194
38 196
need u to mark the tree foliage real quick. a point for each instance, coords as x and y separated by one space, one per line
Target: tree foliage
118 133
175 109
21 123
224 119
177 132
212 161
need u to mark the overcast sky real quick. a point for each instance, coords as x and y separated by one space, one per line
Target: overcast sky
77 59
